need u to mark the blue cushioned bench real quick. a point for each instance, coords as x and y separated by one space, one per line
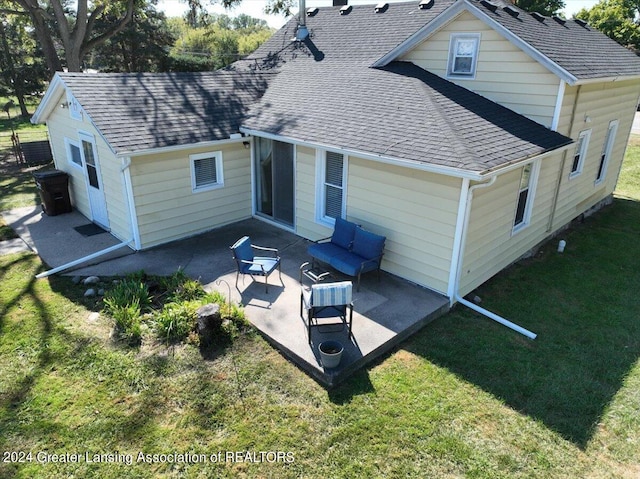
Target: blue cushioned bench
350 250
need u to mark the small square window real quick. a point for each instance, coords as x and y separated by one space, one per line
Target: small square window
74 155
206 171
463 54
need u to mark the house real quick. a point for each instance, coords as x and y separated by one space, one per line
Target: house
465 131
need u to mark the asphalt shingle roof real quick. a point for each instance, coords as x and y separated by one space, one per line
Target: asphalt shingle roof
153 110
324 91
581 50
401 111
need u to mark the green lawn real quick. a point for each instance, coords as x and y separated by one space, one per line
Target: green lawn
465 397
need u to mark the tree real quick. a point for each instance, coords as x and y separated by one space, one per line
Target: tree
618 19
75 30
143 45
545 7
218 44
22 70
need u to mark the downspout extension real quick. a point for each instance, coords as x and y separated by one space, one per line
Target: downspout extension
456 296
76 262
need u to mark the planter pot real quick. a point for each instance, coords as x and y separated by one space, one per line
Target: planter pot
330 353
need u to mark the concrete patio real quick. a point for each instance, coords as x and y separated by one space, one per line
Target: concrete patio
385 312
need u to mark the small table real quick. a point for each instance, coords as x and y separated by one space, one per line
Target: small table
314 273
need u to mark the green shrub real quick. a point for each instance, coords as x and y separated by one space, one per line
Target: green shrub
125 293
176 321
189 290
127 322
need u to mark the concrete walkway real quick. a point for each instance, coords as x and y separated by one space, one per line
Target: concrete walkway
635 128
386 312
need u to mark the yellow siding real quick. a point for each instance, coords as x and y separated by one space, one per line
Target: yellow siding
505 74
166 207
306 225
61 125
490 243
598 104
415 210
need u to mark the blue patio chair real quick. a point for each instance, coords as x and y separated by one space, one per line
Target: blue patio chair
252 265
328 300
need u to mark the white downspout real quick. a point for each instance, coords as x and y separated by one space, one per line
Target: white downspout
460 242
76 262
133 218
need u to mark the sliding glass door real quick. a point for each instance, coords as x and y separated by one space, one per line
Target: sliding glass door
274 170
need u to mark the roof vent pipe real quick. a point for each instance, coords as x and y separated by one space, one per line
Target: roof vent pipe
301 32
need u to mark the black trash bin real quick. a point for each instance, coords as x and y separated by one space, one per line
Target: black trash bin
53 186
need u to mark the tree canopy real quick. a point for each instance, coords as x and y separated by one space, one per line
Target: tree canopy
618 19
544 7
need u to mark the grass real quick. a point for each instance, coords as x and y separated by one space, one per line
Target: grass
465 397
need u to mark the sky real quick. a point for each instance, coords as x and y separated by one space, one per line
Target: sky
255 8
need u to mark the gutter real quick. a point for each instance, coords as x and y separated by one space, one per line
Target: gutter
460 240
76 262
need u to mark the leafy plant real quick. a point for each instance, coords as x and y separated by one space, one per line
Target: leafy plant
128 321
176 321
125 293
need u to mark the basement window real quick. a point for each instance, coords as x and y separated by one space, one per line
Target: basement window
463 55
206 171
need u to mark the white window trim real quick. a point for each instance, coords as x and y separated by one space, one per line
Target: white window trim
219 173
474 59
528 209
586 134
607 148
68 142
321 160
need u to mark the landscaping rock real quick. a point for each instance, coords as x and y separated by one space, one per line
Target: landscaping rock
209 323
93 317
91 280
89 293
76 279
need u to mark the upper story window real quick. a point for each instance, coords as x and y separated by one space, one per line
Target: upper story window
580 153
606 151
206 171
463 55
75 110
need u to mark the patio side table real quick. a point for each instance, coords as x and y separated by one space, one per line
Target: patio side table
314 273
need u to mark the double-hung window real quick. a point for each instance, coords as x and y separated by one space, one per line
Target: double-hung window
331 191
463 55
206 171
580 153
606 151
526 191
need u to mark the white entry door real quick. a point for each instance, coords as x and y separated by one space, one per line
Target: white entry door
97 202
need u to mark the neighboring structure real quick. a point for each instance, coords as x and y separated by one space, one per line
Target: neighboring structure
465 132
